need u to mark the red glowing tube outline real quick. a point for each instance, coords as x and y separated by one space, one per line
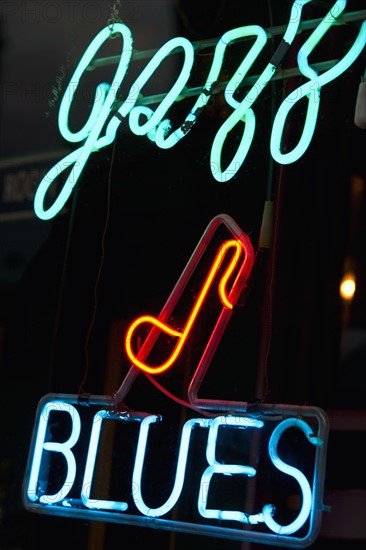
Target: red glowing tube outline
227 298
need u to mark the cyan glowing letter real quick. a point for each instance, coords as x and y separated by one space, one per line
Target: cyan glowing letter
97 504
243 111
253 30
64 448
311 90
218 468
104 98
269 510
181 466
154 118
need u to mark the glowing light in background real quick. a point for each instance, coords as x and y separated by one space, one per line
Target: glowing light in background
347 287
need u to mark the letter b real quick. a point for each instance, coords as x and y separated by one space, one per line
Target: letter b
64 448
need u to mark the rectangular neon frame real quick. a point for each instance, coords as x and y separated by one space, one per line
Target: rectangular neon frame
114 512
235 232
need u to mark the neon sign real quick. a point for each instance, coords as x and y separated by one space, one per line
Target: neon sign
226 279
62 474
104 120
226 300
234 467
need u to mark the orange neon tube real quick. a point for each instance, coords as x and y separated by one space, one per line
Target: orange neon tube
225 297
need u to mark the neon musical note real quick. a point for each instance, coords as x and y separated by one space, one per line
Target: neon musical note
227 298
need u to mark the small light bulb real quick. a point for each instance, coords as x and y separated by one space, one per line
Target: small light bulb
347 287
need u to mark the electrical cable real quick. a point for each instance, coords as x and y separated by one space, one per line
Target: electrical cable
97 281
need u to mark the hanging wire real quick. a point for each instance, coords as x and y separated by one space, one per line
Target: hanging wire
175 398
115 16
264 361
268 241
273 109
57 318
97 281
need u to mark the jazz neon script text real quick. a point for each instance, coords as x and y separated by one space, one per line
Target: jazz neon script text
214 466
145 121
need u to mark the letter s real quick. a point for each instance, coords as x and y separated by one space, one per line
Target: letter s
268 509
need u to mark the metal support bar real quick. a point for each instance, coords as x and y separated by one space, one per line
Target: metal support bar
220 86
211 42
